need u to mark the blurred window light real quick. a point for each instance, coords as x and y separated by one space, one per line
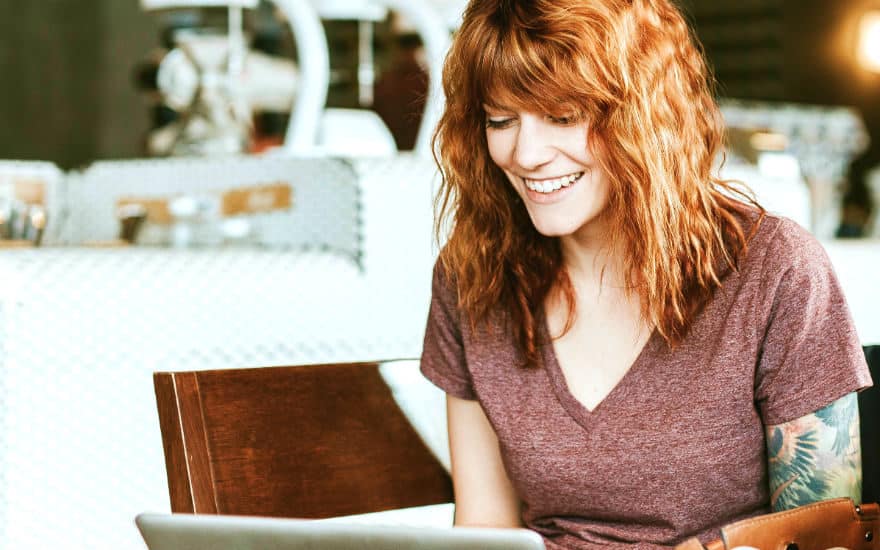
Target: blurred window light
869 41
779 165
768 141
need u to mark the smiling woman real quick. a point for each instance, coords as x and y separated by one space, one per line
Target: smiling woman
550 166
623 336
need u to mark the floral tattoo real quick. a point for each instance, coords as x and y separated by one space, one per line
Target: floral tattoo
816 457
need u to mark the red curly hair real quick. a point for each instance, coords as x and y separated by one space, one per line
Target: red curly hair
632 68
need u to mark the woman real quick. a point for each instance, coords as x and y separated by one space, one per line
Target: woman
633 351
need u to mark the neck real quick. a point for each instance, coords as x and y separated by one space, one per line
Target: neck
591 260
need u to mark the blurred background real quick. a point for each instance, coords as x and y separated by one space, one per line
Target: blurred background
77 75
806 52
209 184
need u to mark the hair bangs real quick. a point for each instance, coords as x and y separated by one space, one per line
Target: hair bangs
525 73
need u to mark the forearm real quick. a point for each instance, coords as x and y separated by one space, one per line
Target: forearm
484 496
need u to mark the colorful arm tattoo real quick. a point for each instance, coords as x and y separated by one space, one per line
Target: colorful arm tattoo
816 457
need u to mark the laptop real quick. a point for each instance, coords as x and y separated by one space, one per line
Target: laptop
213 532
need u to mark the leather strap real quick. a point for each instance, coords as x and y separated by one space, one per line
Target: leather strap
868 512
816 526
694 543
819 526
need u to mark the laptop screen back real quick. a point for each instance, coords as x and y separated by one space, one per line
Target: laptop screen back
213 532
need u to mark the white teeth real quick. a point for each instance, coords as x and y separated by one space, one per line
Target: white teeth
548 186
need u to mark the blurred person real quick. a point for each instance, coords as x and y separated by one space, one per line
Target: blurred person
634 352
401 90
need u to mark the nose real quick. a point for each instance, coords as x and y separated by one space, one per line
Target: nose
534 144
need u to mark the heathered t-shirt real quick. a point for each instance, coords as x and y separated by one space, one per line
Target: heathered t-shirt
677 448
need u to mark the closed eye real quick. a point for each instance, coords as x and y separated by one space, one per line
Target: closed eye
564 120
498 123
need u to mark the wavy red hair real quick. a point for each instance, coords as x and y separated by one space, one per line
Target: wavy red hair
632 68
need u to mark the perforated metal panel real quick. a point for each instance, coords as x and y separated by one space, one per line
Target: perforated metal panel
324 214
82 330
825 140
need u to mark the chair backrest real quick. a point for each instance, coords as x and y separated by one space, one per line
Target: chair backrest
304 441
869 419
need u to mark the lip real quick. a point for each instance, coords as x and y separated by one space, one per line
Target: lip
552 197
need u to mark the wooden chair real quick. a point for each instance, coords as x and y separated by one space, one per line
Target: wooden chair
307 441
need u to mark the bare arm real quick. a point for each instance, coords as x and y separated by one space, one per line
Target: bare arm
484 495
816 457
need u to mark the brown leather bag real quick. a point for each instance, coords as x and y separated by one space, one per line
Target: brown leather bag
836 523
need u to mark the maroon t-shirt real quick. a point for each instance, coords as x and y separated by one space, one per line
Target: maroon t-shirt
677 448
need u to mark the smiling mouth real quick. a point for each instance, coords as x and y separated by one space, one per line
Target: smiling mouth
553 184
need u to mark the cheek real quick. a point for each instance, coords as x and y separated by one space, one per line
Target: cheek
499 148
603 188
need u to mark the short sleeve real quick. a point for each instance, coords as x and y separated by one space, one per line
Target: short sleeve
443 356
810 353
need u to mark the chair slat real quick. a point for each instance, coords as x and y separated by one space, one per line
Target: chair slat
305 441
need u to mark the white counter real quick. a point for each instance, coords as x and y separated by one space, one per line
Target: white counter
82 330
857 264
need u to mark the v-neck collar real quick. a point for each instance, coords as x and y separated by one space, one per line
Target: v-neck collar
577 410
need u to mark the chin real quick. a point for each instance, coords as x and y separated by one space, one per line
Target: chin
554 228
564 226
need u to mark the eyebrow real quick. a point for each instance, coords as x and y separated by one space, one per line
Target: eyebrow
492 106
